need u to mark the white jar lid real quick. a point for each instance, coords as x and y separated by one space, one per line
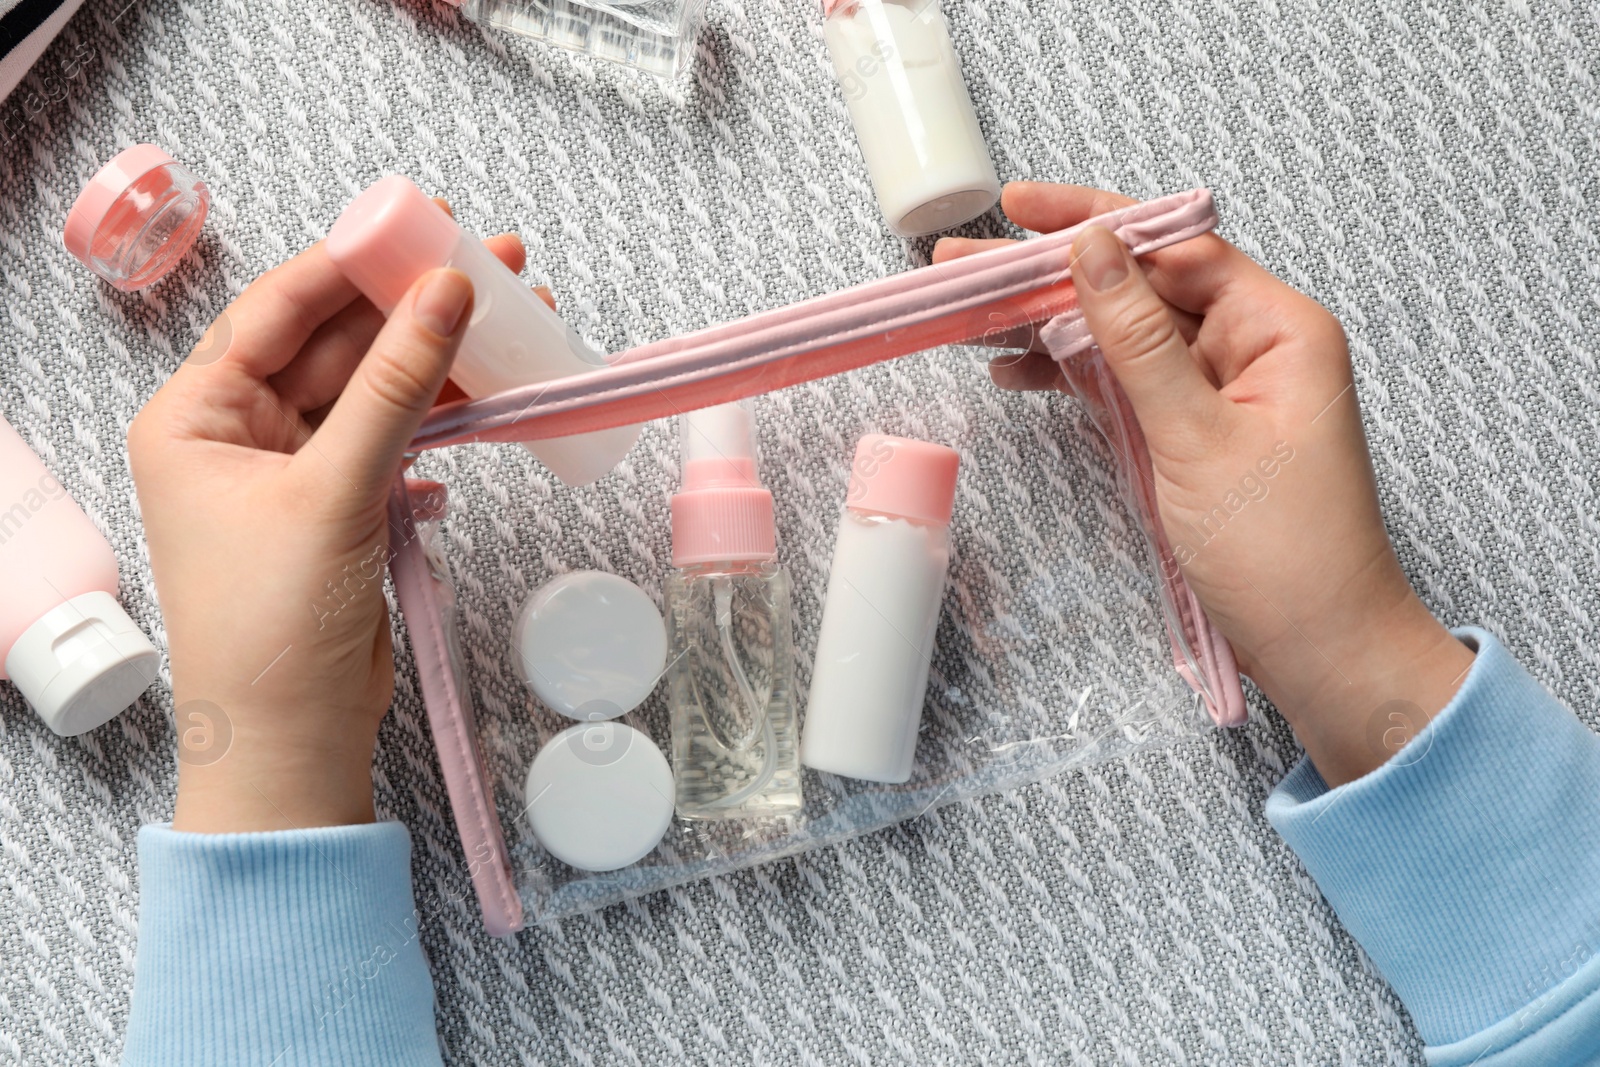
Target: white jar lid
590 645
599 796
82 662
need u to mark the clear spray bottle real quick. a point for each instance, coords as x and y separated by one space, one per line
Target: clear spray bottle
730 659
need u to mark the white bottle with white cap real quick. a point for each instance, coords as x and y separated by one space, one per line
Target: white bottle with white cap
66 642
885 589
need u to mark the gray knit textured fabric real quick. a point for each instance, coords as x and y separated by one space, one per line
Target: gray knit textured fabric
1426 171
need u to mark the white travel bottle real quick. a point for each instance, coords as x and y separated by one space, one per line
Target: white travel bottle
392 234
915 121
881 611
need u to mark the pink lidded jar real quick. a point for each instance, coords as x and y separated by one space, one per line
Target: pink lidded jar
137 217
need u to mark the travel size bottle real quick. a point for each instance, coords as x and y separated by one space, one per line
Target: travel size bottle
657 36
65 641
391 234
913 117
885 588
730 651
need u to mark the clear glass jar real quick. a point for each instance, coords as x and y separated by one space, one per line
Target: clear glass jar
137 217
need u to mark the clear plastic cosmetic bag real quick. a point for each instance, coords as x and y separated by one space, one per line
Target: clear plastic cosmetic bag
1030 676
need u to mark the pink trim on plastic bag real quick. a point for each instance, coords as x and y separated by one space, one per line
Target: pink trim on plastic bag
1202 655
428 605
968 299
976 296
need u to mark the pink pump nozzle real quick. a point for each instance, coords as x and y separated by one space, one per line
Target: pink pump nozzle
722 514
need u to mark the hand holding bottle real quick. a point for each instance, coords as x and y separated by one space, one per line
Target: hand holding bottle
1245 393
263 469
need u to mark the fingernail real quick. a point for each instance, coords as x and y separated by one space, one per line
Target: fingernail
1101 263
443 299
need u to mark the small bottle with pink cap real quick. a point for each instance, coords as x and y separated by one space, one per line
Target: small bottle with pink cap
885 589
391 234
730 658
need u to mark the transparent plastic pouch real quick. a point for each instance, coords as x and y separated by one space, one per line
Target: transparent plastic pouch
1200 654
1037 667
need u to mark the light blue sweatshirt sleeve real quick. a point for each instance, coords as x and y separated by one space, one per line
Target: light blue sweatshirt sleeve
1468 867
282 949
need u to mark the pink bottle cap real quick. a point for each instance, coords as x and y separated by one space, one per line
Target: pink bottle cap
388 237
904 478
137 217
722 514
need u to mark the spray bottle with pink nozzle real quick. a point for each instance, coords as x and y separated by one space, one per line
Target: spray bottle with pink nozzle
735 747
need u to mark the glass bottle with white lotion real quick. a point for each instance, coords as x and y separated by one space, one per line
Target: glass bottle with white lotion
913 116
730 648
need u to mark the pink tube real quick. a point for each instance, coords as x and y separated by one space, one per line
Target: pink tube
64 639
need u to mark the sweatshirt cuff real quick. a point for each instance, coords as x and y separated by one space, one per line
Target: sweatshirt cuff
1468 866
294 947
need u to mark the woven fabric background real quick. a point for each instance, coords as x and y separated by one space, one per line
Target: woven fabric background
1426 170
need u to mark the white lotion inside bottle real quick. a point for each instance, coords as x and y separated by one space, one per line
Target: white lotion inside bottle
870 674
913 117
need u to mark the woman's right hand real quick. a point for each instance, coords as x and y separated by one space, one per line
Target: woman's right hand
1243 388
